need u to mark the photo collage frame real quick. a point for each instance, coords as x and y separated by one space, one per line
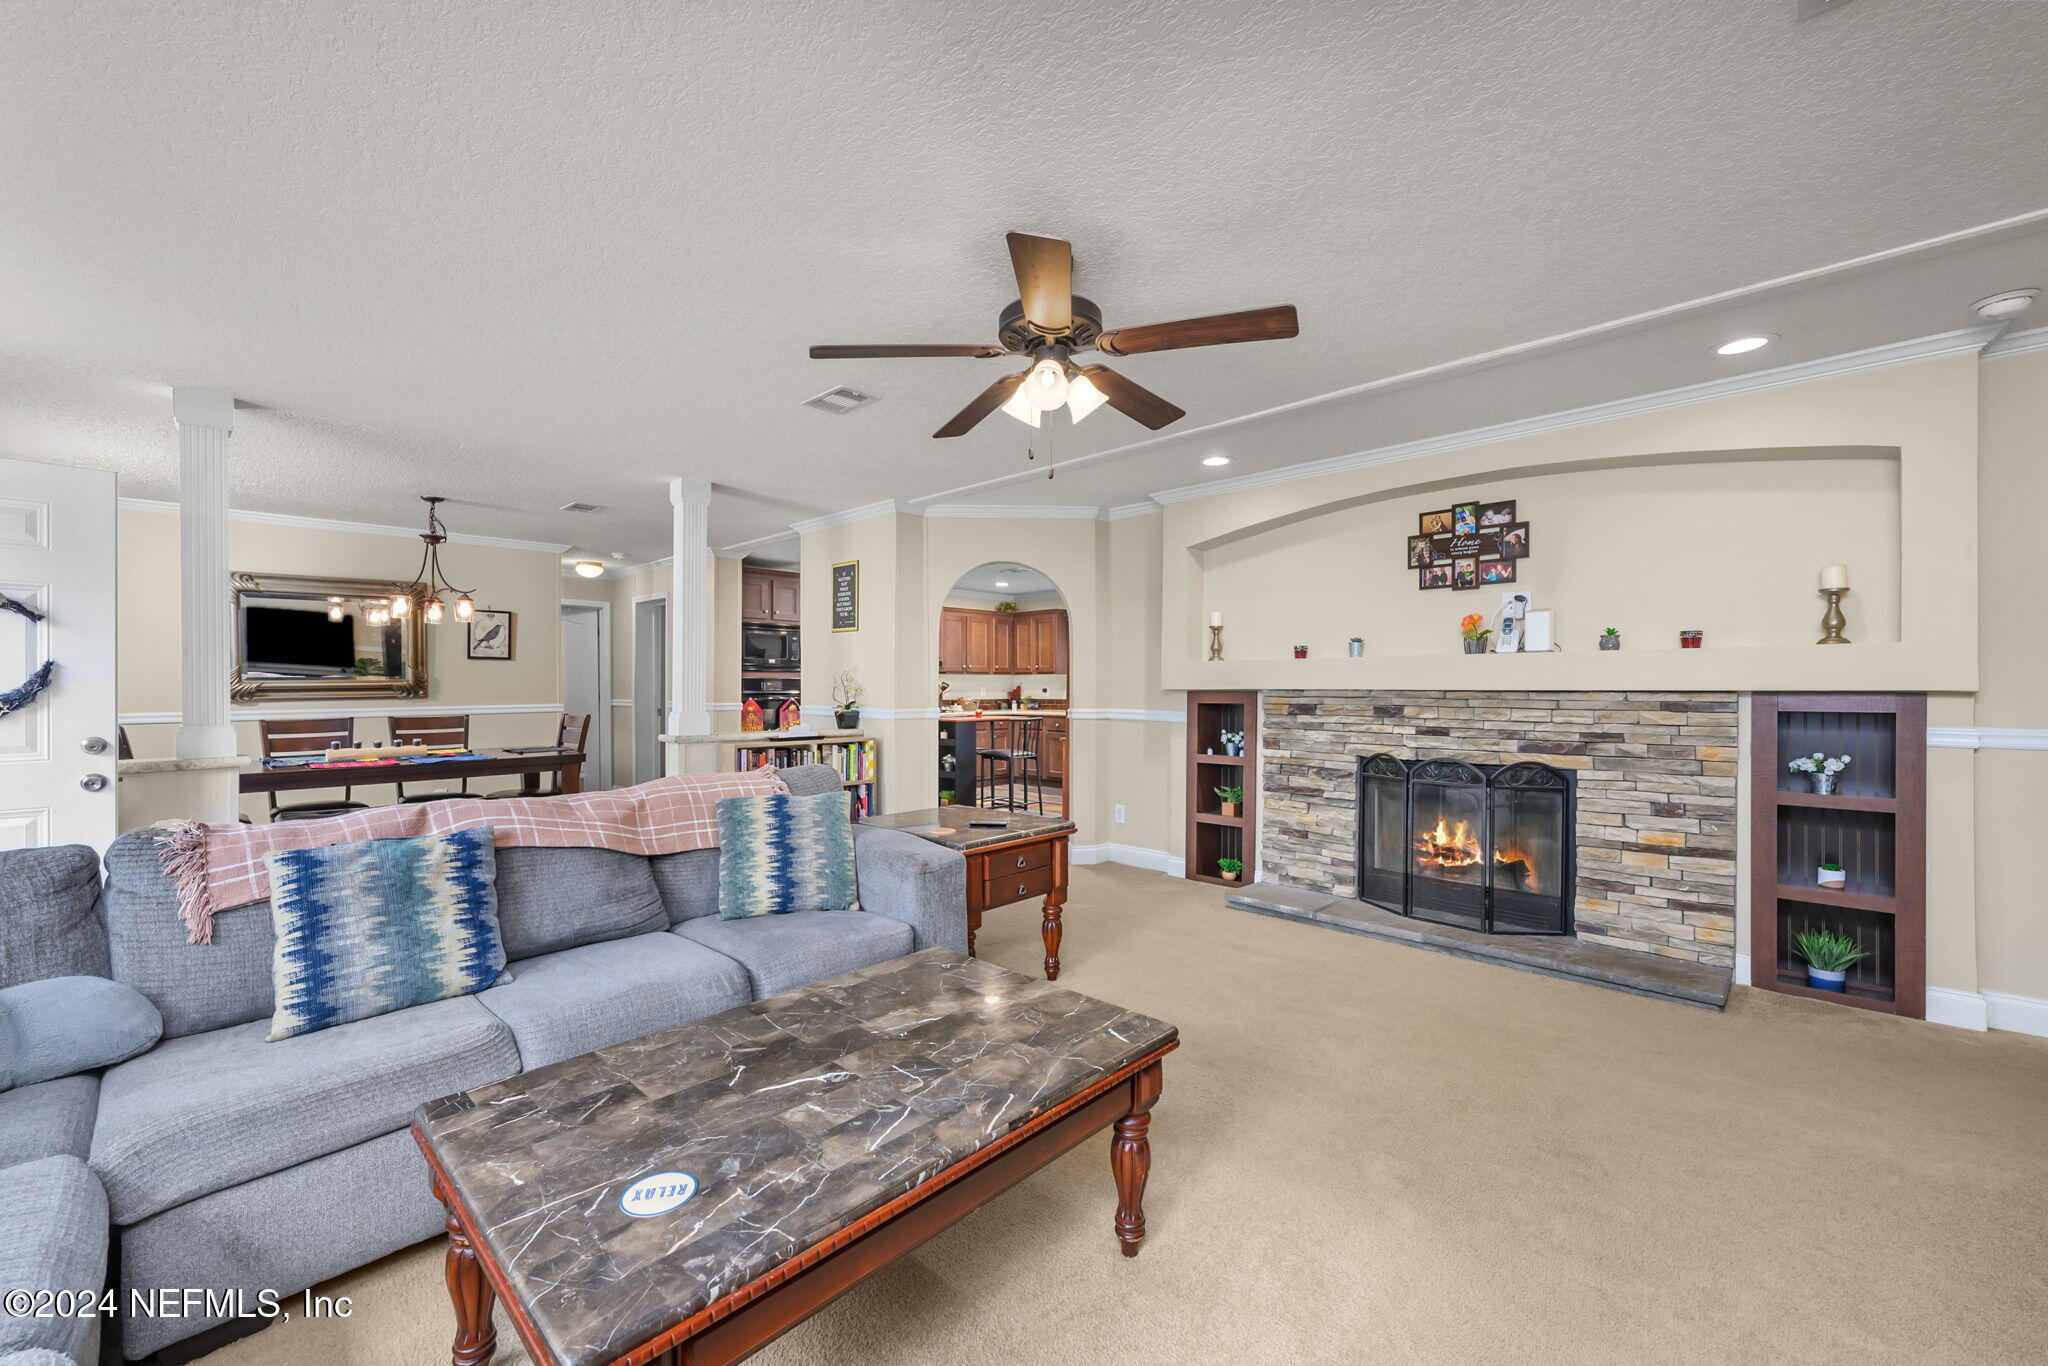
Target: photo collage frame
1468 545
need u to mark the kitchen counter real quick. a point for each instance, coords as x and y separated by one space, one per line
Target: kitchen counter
755 737
1019 713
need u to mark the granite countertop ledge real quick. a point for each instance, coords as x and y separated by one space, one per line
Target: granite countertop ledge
137 768
754 737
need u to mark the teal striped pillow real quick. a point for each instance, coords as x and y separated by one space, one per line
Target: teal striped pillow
781 853
378 925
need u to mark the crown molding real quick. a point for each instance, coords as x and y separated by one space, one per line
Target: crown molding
864 513
359 528
1963 341
2018 344
1141 509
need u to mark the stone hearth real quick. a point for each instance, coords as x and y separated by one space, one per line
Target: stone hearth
1656 796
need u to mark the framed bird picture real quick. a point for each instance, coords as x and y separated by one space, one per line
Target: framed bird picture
490 635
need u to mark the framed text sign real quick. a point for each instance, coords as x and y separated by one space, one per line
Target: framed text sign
846 595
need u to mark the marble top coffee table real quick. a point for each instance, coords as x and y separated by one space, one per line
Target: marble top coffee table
689 1196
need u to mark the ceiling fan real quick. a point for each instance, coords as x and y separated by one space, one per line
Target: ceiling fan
1050 324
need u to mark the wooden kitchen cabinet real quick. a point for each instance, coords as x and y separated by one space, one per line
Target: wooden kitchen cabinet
772 597
977 642
1053 748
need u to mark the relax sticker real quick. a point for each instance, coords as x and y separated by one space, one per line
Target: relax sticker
657 1194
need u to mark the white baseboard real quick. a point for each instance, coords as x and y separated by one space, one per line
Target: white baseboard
1962 1009
2020 1014
1131 855
1742 970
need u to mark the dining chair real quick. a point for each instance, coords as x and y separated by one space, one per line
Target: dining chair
300 738
571 734
431 732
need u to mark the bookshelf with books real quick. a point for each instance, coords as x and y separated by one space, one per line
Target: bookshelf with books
857 760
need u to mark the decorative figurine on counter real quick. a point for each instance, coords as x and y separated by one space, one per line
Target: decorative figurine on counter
750 716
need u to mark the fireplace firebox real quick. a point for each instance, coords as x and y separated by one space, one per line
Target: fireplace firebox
1484 847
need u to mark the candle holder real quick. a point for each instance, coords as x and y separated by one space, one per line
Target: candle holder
1833 621
1215 642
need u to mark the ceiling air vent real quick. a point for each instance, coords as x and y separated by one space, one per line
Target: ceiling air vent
840 400
579 507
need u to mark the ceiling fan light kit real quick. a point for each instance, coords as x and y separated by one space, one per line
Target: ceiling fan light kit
1050 324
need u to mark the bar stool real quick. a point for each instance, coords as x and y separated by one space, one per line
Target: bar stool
299 739
1019 762
438 732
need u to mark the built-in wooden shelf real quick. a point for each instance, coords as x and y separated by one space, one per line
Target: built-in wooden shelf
1211 834
1876 829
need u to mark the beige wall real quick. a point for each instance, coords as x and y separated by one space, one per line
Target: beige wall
2010 785
526 582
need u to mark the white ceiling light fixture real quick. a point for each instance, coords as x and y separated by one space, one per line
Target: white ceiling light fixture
1002 583
590 569
1215 460
1083 397
1739 346
2004 307
1045 386
1017 405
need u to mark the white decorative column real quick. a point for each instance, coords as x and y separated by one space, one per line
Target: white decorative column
689 616
206 603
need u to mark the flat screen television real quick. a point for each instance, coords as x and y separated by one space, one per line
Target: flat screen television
294 644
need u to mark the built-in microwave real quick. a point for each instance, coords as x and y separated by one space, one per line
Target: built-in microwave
769 649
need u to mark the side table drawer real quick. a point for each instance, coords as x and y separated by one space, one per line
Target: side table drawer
1011 862
1001 886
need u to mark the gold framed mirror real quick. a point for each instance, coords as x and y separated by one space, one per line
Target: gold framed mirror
303 637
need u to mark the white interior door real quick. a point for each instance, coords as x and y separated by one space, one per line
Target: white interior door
57 557
586 683
650 684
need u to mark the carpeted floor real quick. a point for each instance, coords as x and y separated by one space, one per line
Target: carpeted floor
1371 1153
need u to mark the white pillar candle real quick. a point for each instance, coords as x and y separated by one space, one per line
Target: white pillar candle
1215 618
1834 576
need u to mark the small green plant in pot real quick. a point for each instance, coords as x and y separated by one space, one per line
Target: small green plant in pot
1230 868
1232 799
1829 956
1831 875
1610 639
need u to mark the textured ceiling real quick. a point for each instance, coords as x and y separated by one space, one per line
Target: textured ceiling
524 255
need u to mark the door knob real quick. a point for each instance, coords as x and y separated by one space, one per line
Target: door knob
94 782
93 744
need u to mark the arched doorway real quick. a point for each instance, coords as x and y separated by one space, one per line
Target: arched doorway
1002 669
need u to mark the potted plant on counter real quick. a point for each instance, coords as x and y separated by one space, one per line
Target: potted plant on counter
1829 956
1229 868
1473 628
1232 798
1831 875
1610 639
846 695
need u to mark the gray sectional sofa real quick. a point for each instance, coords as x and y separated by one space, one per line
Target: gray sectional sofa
221 1161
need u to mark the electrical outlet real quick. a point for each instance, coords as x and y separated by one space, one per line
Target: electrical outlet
1118 810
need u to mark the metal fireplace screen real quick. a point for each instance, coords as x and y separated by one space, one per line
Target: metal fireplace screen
1480 846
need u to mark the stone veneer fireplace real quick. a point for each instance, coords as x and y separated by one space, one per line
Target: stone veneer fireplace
1653 777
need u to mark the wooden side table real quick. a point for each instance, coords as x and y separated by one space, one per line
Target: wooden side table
1023 859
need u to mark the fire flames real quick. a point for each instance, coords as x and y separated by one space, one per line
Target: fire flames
1455 847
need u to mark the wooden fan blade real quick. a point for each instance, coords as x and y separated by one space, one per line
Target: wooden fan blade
1045 279
1132 399
937 349
1218 329
986 402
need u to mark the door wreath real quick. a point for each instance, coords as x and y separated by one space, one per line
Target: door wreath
31 688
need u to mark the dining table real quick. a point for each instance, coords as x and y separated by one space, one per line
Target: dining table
526 763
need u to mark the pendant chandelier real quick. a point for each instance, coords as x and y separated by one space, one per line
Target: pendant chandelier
430 585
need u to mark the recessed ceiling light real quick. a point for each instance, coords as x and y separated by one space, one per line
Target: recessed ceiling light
2001 307
1002 583
1217 460
1740 345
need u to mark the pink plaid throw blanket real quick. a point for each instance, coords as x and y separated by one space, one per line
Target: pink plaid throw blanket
219 867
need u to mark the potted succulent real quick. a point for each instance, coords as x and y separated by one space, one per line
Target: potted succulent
1829 956
1229 868
1830 874
846 695
1610 639
1232 798
1233 741
1821 768
1301 652
1473 628
1357 644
